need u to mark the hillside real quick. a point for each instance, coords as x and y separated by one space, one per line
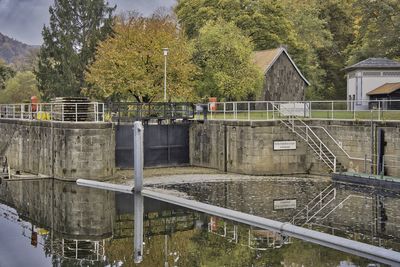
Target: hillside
11 50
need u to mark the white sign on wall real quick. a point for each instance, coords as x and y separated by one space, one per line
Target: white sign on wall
281 204
301 109
285 145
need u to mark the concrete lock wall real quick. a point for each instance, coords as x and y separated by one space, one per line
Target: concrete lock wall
62 150
72 211
247 147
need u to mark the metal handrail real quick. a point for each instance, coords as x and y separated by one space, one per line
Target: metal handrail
336 142
347 109
308 129
54 111
320 141
154 110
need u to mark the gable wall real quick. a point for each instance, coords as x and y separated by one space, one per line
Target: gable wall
283 82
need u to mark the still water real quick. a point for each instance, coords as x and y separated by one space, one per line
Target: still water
55 223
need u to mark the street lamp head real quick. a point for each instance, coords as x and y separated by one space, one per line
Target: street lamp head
165 50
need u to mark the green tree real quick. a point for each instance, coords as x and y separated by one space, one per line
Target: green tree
130 64
263 21
69 44
377 30
6 73
268 24
224 56
20 88
312 35
340 19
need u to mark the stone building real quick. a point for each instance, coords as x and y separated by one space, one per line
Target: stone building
283 79
371 79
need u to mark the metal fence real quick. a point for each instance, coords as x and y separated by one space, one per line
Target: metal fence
327 110
71 112
131 111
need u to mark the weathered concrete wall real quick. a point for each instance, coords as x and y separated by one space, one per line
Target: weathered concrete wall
60 149
247 147
356 140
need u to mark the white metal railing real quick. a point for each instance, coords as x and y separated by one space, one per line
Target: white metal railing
57 111
315 206
310 137
328 110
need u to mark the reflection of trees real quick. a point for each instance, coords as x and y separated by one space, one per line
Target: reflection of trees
307 254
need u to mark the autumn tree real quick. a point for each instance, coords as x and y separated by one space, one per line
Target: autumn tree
130 64
224 56
69 44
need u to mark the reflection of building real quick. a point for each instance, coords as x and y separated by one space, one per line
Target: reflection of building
367 76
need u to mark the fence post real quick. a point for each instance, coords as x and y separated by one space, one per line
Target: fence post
138 154
103 111
76 112
224 110
379 110
248 109
332 111
273 111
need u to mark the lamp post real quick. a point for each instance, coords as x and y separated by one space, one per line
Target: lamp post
165 50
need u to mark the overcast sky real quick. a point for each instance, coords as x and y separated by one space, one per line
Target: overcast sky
23 20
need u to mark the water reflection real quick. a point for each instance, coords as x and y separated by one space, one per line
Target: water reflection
365 214
55 223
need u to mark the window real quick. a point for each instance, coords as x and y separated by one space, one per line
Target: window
372 73
391 73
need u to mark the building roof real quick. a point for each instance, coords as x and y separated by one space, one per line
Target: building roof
385 89
375 63
266 58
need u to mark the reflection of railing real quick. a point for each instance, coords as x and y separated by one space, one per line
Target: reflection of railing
315 206
86 250
57 111
128 111
253 238
327 110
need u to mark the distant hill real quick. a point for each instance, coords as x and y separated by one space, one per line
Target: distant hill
12 50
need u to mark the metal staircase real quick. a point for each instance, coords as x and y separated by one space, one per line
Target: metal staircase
304 131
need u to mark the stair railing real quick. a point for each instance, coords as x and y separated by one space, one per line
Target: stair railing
310 137
316 205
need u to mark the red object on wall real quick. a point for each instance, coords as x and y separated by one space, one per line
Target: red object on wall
213 105
34 101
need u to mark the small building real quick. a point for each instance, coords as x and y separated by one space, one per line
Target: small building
283 79
366 76
387 92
